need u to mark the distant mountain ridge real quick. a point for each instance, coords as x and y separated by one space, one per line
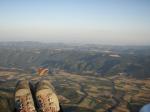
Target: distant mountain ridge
80 59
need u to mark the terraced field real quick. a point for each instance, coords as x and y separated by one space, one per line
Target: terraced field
83 93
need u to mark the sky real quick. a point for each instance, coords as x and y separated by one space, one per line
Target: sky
114 22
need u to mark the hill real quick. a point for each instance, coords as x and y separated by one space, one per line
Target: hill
80 59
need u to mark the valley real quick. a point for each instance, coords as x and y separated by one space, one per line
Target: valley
83 93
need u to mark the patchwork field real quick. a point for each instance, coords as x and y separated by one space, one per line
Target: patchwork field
83 93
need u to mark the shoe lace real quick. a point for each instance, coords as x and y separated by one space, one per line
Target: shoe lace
46 103
26 104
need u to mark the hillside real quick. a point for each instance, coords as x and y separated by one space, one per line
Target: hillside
79 59
87 78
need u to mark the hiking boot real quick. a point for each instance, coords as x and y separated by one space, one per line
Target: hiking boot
23 98
47 100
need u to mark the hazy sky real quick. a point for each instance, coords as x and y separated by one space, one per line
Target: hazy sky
124 22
